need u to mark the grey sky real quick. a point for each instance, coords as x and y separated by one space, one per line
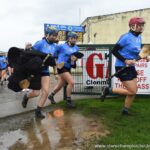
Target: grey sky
22 20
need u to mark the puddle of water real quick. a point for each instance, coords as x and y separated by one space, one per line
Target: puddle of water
9 138
58 131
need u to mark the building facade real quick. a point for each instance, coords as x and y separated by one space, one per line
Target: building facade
107 29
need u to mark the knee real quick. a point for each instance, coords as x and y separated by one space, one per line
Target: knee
71 83
33 93
45 93
133 92
36 93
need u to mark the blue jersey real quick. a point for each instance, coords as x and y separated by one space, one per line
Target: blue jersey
45 47
131 46
65 52
3 62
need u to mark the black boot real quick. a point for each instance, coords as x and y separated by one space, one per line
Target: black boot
70 103
51 98
25 101
125 112
38 113
104 93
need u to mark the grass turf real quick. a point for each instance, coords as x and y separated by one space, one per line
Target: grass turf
126 130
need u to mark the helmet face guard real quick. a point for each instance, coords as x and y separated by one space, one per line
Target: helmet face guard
135 21
72 35
51 31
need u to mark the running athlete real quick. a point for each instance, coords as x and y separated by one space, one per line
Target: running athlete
65 55
126 51
47 46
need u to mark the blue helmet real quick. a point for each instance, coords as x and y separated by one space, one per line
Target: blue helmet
72 34
51 31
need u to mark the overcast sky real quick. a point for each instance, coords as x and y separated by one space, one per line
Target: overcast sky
22 21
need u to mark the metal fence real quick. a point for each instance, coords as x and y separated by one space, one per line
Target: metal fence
83 84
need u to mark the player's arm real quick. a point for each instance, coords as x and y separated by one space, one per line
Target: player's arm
55 57
115 52
61 57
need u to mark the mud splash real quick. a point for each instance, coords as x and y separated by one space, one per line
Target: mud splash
58 131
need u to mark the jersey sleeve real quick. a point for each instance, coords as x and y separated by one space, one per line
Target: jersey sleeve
122 41
115 52
37 46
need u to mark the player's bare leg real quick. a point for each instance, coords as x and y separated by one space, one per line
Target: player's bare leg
69 79
30 95
59 85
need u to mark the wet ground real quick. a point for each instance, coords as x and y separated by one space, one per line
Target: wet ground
10 102
60 130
